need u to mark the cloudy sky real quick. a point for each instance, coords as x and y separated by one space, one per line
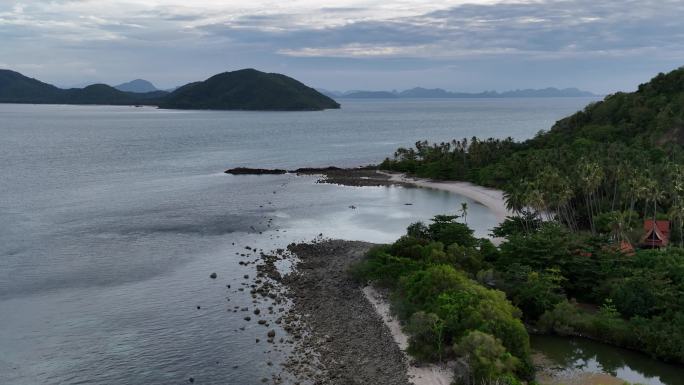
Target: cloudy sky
468 45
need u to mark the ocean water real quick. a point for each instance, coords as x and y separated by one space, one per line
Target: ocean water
112 219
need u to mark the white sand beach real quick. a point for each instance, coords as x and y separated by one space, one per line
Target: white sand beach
418 375
491 198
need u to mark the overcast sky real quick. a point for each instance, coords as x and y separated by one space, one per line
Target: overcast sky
598 45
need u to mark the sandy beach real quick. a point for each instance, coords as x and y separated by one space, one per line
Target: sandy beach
490 198
418 375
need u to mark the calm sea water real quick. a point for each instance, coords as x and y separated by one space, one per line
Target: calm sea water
112 219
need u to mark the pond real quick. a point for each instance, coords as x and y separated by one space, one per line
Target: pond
582 361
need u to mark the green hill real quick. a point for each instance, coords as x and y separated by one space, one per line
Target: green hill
239 90
248 89
103 94
17 88
635 130
653 114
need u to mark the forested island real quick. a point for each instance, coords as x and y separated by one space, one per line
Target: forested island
595 247
246 89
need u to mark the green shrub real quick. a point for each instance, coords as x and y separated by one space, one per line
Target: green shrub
532 291
445 229
487 358
426 336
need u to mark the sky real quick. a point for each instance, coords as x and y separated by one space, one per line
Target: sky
461 45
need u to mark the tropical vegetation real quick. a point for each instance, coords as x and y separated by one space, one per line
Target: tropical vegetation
570 258
449 315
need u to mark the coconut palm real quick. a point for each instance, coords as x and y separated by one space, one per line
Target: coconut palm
618 225
590 177
464 212
676 212
515 197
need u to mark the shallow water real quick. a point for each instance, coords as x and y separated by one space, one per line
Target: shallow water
579 356
112 219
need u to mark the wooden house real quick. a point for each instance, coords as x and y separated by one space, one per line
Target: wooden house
656 234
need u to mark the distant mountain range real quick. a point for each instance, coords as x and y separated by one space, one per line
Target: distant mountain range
438 93
140 86
246 89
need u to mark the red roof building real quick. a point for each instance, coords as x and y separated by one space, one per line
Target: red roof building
626 248
656 234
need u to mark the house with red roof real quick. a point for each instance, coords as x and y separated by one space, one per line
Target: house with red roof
656 234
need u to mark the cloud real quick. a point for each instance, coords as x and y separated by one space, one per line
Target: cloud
542 29
117 37
354 28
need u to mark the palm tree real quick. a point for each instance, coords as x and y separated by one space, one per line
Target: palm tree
677 212
643 188
677 209
590 178
536 200
618 174
515 197
464 212
619 226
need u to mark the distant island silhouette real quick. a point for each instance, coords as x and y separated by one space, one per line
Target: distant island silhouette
439 93
246 89
138 86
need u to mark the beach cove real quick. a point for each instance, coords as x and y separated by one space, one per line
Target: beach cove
323 259
115 217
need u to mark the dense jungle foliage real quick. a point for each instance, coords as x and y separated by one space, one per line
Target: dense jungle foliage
577 193
450 288
449 315
617 157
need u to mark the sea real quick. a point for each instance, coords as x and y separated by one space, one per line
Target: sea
113 218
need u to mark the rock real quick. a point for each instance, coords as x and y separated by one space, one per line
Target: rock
254 171
324 298
191 380
271 333
257 311
213 276
248 318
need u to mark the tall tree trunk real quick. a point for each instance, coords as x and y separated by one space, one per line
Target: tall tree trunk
587 200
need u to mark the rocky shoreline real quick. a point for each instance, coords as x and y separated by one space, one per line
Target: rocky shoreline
352 343
359 177
337 336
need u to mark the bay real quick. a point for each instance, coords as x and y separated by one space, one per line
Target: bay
112 219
